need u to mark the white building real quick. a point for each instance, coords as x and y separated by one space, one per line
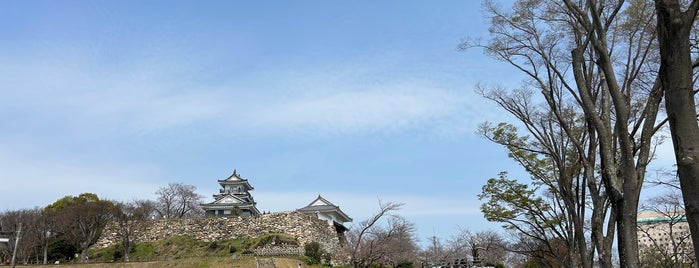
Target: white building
325 210
667 232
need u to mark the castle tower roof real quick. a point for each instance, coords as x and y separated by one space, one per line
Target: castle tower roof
322 205
236 180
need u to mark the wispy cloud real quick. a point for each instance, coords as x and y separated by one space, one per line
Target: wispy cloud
39 180
372 110
156 98
376 95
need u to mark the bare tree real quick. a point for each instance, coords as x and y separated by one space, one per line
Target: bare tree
367 239
177 200
20 224
37 226
398 241
438 252
131 217
675 24
485 247
43 231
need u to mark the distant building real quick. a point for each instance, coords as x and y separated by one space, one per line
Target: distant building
667 231
234 199
325 210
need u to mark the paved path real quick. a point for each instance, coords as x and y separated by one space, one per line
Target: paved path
266 263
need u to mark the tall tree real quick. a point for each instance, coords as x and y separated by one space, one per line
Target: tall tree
130 218
610 78
177 200
559 154
676 76
43 231
81 219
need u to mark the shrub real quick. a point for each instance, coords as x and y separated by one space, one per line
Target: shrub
315 254
405 264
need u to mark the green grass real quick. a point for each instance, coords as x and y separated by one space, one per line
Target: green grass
183 251
206 262
172 248
197 262
184 247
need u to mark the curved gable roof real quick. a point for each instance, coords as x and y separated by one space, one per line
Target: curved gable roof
228 199
236 179
321 204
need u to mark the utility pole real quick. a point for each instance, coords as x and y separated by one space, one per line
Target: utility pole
17 237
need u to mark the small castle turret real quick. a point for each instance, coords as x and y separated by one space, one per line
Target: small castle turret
324 210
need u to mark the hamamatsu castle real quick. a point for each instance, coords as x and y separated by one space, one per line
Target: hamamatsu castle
234 199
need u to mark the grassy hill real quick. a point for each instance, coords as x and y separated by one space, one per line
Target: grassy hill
183 247
185 252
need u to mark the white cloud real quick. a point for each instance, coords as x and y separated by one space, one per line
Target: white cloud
360 111
40 180
143 96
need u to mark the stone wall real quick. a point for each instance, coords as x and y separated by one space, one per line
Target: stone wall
303 227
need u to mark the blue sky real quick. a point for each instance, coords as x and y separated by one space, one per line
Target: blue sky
354 100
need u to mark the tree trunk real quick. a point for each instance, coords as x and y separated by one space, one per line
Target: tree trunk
45 251
674 28
84 255
127 249
626 225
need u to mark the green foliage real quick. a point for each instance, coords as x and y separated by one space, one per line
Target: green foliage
60 249
139 252
507 200
313 252
80 219
69 200
179 247
111 253
310 260
404 265
520 148
143 251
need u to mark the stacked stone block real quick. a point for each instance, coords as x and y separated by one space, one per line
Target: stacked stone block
303 227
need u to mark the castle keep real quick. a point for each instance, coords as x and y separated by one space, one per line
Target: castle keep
234 199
